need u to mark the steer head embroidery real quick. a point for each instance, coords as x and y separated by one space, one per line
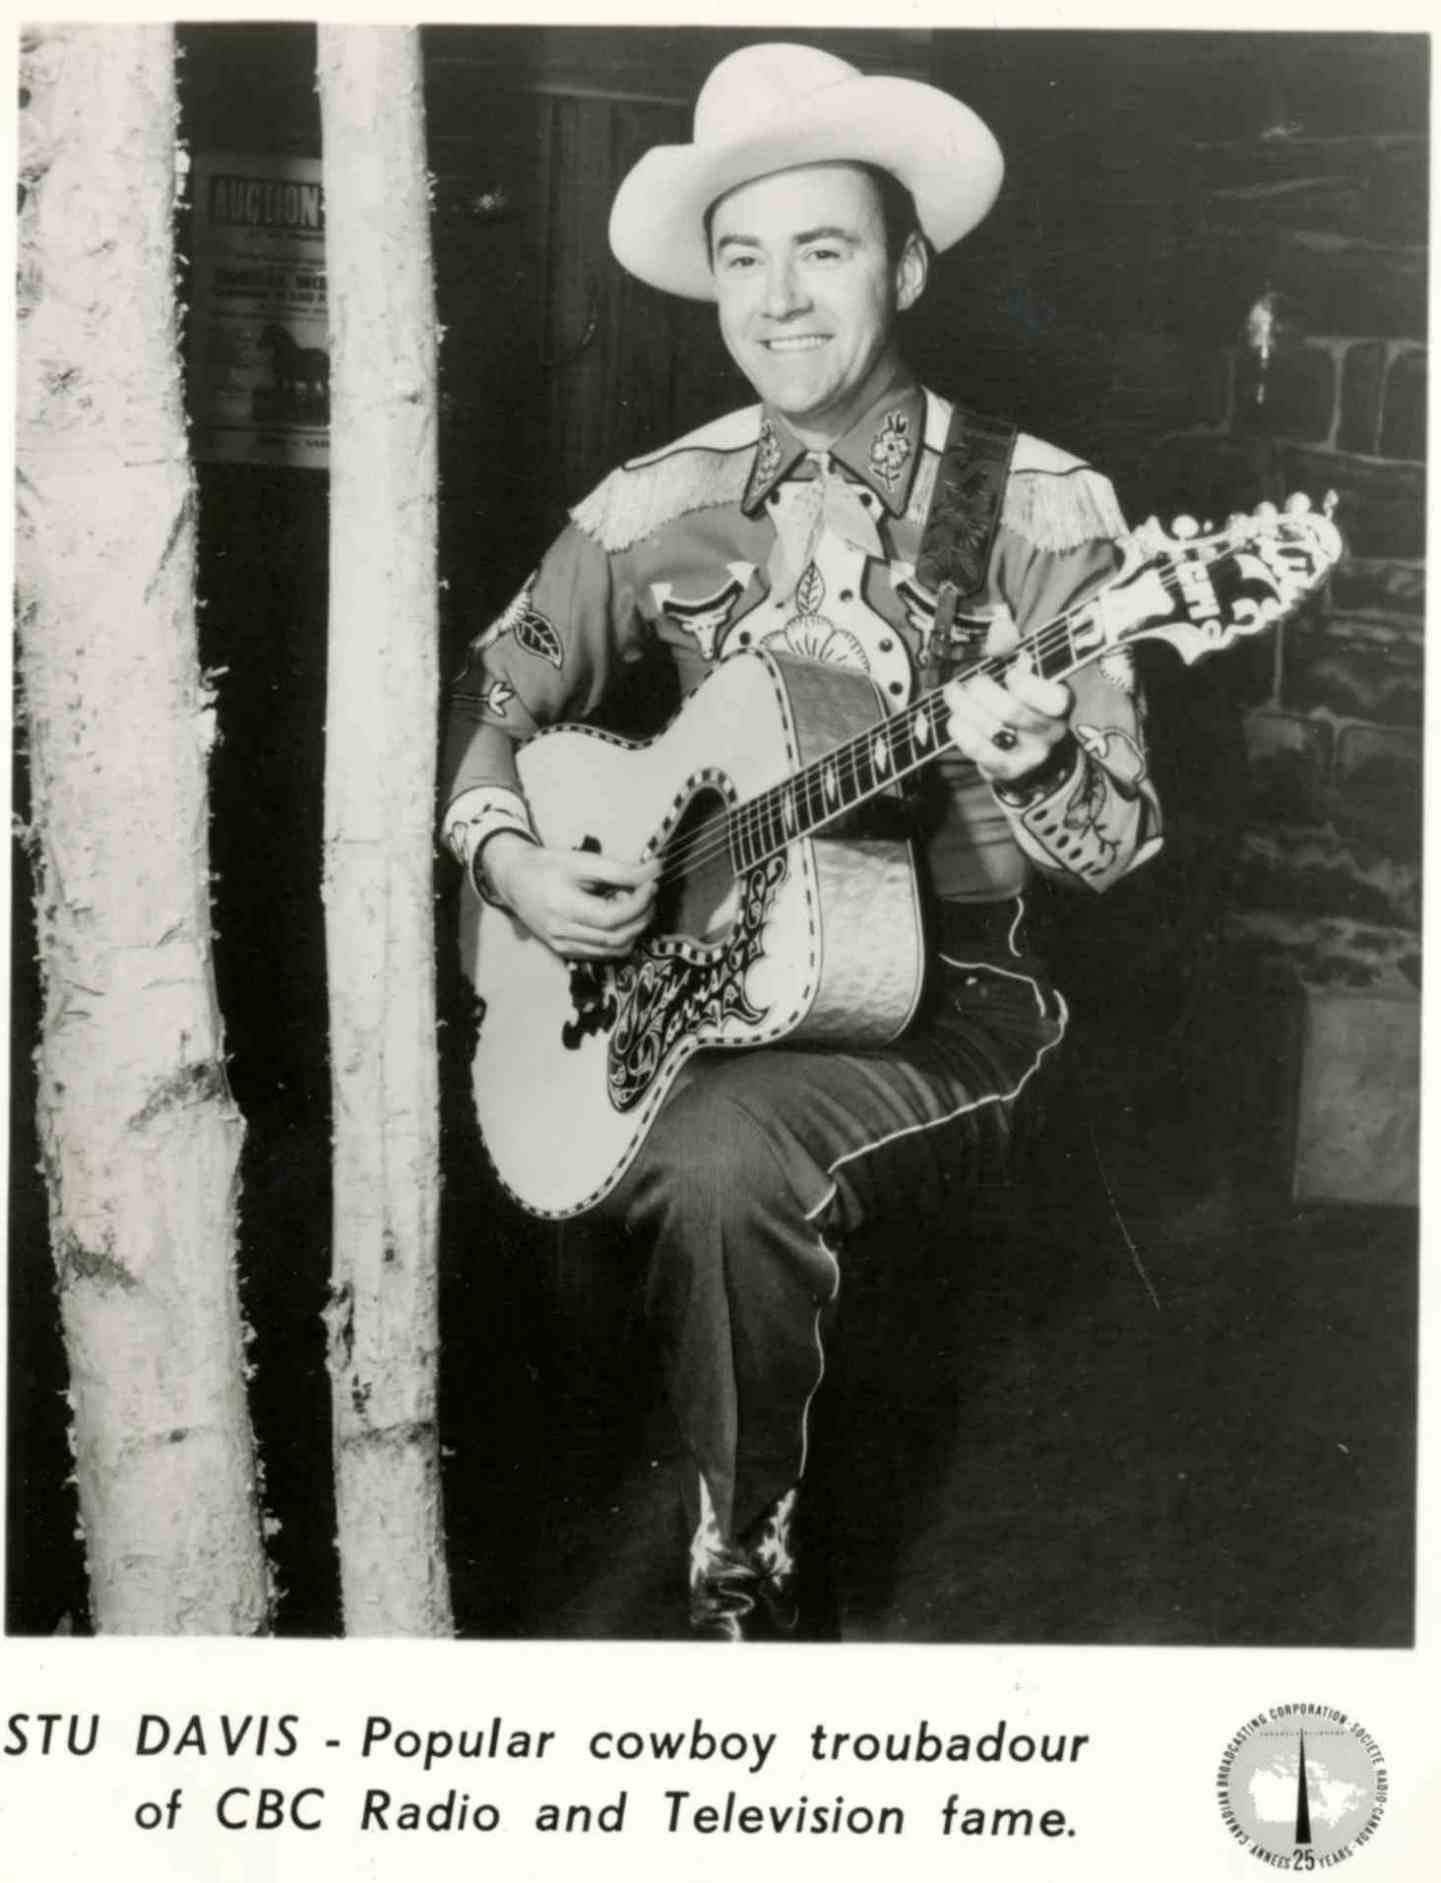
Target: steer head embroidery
706 617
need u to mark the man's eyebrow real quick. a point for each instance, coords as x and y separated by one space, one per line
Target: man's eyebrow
827 232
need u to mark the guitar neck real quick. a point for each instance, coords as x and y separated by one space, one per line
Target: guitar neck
898 747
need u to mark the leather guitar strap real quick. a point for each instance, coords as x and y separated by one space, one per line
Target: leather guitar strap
960 525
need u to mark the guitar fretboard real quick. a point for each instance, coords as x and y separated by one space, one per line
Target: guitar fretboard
894 748
1171 594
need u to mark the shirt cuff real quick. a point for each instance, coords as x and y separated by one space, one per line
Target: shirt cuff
477 815
1084 829
1053 776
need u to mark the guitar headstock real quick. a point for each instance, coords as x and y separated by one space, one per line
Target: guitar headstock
1201 590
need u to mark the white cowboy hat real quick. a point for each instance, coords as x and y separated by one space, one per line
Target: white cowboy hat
774 107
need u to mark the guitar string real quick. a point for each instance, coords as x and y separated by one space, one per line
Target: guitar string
750 820
713 838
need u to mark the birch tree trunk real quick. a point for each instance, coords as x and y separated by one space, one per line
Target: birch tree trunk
379 824
139 1134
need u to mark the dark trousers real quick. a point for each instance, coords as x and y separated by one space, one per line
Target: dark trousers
762 1164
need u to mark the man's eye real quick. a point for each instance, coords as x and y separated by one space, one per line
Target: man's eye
825 252
734 264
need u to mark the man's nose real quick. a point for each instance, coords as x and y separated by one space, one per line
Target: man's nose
784 293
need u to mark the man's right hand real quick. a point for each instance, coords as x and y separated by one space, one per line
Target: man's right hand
585 906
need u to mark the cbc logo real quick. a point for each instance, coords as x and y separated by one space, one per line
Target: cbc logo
241 1809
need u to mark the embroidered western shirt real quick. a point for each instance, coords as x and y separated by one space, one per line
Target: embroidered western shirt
735 537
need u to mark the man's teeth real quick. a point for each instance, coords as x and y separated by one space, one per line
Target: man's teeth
803 343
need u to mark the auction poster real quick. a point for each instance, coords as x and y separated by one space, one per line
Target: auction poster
259 368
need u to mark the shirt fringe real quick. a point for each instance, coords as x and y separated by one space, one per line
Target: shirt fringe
1061 510
636 501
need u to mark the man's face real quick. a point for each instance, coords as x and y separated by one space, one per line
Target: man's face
807 294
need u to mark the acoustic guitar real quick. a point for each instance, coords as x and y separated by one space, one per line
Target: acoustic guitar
780 915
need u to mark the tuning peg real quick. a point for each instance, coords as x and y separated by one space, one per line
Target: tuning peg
1183 528
1265 513
1297 504
1328 504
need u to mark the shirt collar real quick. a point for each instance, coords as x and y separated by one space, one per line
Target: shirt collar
882 449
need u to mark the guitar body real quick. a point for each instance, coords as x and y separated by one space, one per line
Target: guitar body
820 942
769 933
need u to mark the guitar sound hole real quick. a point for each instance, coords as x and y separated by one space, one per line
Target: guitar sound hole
698 900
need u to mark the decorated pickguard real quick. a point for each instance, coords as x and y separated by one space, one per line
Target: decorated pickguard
669 990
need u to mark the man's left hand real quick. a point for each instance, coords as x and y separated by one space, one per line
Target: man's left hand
1008 730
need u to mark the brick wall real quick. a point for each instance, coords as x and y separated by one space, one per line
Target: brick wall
1259 983
1328 232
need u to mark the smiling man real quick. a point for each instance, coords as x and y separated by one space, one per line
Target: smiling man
809 290
853 518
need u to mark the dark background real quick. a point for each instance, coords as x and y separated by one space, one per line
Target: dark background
1160 1391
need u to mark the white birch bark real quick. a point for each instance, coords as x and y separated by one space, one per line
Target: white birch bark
379 824
140 1136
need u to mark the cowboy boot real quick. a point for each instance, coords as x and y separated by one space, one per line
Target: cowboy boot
745 1592
770 1550
723 1581
723 1599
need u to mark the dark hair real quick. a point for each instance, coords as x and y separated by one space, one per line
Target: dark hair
898 210
899 218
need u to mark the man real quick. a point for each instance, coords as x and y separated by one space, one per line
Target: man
854 517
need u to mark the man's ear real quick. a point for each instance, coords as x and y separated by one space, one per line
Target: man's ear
913 270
